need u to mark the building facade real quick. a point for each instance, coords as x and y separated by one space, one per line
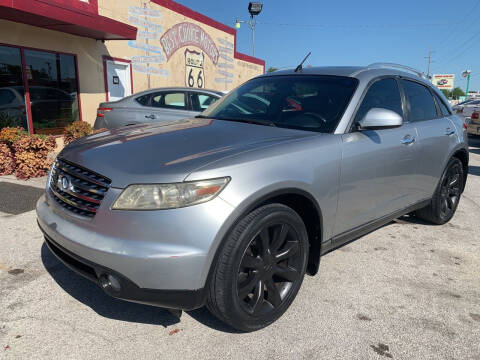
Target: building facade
60 58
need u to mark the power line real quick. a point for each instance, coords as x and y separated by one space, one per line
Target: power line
354 26
467 15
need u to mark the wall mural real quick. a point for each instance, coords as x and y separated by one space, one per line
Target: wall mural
197 42
144 18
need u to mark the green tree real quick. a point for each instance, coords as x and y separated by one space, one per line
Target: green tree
271 69
457 92
447 93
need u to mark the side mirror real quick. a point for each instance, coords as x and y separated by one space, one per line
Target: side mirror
379 118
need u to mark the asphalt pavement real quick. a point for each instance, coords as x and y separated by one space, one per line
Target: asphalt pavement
406 291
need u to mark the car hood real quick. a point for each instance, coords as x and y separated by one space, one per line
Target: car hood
169 151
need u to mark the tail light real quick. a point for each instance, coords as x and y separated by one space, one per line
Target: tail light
475 116
102 110
22 109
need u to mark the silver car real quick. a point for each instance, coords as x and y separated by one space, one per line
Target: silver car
161 104
232 208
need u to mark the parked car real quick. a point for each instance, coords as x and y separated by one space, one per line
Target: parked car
467 108
473 124
52 108
232 208
154 105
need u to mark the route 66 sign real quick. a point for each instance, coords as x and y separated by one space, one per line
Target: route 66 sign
194 72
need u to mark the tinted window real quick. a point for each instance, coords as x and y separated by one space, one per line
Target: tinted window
52 80
313 103
202 101
143 100
420 101
12 102
6 97
382 94
169 100
443 108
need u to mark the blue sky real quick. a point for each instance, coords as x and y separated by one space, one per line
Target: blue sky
360 32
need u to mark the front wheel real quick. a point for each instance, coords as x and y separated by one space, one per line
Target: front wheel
447 195
260 268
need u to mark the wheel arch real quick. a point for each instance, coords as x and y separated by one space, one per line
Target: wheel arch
300 201
462 155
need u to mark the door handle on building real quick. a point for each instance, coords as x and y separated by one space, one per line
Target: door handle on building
408 139
449 131
150 116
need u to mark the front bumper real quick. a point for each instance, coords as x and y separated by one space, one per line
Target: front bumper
159 256
127 290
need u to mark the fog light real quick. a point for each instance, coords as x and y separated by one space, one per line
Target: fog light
110 282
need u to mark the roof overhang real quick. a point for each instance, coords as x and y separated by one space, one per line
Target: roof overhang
55 16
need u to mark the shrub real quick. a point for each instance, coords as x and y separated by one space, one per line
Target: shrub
32 156
9 135
77 130
7 162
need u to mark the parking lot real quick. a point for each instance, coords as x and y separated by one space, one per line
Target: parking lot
406 291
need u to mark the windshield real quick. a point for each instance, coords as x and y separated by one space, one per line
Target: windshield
313 103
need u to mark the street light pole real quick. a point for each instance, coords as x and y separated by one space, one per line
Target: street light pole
466 74
254 8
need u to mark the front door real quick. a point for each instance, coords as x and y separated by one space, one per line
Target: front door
379 167
118 80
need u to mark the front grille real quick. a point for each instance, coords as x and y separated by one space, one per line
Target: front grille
77 189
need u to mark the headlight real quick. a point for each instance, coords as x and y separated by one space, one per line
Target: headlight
169 196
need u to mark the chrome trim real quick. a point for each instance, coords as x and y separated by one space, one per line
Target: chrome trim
72 203
81 176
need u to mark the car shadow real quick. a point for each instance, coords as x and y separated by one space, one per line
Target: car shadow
104 305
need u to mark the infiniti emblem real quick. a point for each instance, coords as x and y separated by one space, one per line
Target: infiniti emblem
65 183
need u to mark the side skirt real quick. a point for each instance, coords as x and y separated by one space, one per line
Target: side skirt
351 235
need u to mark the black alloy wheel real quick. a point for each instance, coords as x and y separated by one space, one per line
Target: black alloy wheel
445 200
260 268
450 190
270 265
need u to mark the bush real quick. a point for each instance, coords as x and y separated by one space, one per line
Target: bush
7 162
77 130
9 135
32 156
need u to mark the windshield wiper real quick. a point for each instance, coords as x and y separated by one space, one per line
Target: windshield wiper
203 117
249 121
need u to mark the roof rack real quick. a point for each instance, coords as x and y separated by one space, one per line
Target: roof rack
394 66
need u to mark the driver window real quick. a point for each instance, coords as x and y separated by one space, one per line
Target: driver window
382 94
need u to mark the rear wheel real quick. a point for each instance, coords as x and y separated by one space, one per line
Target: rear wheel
447 196
260 268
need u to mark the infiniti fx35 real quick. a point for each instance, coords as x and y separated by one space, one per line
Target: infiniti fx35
232 208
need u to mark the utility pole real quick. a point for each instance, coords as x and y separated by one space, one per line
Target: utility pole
429 57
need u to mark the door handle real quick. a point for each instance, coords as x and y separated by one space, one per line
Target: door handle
449 131
408 139
150 116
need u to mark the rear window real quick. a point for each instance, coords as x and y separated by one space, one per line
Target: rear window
420 101
304 102
143 100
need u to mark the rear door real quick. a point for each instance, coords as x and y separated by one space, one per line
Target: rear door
436 134
169 105
379 167
201 101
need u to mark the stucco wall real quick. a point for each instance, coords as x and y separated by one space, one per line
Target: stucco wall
221 71
225 74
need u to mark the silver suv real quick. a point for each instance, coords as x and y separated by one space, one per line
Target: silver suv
230 209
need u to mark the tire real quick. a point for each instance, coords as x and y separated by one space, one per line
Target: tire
260 268
445 200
